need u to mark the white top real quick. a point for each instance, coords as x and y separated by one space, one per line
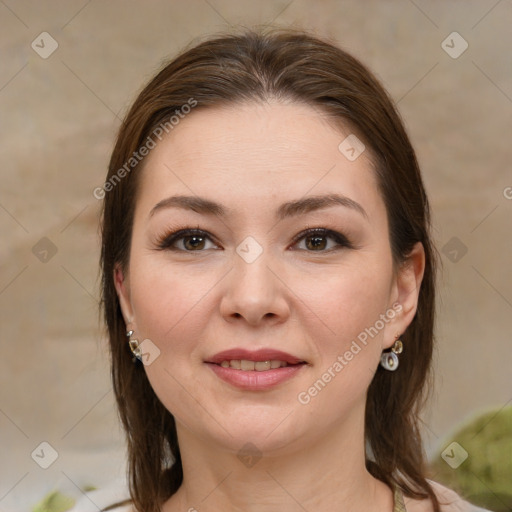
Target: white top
449 500
118 491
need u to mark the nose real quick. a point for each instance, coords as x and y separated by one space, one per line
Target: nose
255 293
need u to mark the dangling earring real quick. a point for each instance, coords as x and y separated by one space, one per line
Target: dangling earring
389 360
134 346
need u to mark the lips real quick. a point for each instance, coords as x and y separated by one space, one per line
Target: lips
257 370
256 356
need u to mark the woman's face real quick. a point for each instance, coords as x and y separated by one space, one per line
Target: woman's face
251 278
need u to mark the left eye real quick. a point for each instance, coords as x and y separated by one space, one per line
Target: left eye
316 240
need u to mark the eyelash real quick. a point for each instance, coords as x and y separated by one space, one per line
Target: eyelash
167 241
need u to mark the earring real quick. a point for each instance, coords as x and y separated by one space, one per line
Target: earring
389 360
134 346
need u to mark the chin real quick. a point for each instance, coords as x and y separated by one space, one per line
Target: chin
258 428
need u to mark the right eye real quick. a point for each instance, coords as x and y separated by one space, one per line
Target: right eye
190 240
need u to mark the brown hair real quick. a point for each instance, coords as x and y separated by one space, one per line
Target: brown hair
294 66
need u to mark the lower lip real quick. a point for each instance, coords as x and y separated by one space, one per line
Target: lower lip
253 380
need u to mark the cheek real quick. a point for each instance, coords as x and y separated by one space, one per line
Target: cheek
350 303
350 306
345 301
167 303
169 309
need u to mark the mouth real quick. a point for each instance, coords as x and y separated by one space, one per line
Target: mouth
256 360
257 366
257 370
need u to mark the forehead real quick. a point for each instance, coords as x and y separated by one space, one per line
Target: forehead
255 151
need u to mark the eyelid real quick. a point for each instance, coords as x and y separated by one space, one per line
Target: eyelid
166 242
340 238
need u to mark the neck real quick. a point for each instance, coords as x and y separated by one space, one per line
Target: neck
328 473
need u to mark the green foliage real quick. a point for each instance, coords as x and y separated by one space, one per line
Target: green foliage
54 502
485 477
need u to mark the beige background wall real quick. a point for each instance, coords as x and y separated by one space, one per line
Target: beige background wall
58 118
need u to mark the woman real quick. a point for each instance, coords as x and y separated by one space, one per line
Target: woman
266 258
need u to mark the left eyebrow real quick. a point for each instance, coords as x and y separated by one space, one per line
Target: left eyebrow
312 203
289 209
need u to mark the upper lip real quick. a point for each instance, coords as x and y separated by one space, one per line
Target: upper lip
264 354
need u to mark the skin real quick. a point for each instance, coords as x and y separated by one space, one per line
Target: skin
310 303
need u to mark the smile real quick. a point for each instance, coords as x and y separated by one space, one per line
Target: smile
255 370
258 366
255 375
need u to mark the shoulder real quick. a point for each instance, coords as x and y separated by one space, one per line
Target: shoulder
449 501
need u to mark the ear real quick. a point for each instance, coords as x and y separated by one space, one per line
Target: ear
405 293
122 285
